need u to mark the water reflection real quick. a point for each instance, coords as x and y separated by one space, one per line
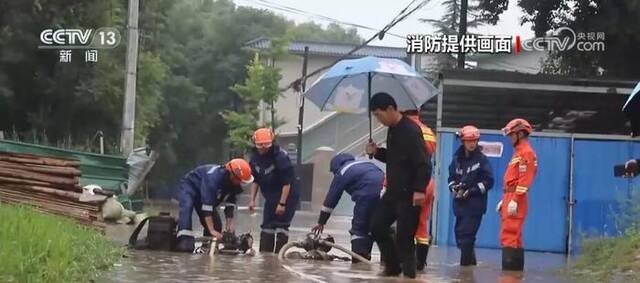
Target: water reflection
152 266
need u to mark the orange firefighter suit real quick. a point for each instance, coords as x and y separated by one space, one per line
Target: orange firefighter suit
422 233
517 181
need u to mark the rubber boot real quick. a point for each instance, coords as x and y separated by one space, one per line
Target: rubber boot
513 259
391 261
362 247
281 240
409 264
422 251
185 244
267 241
467 255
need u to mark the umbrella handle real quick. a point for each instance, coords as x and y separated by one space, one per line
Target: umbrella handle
370 141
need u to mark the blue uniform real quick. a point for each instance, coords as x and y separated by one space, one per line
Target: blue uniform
203 189
272 171
362 180
476 175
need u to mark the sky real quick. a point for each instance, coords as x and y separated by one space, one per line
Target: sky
377 13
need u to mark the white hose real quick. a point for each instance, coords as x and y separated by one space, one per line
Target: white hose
286 247
347 251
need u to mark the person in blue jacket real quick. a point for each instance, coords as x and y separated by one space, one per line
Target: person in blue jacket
205 188
363 181
275 177
470 178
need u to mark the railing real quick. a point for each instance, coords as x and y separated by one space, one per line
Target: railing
344 133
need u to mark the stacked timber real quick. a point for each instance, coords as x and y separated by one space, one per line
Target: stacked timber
49 184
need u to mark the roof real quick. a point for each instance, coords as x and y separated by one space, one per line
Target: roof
332 49
489 99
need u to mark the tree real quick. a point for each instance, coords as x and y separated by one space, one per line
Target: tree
458 12
261 84
449 23
618 20
334 33
190 55
67 103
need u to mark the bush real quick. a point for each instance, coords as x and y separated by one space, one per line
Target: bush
37 247
606 259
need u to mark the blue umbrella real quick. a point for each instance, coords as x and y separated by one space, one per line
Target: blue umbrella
349 84
632 109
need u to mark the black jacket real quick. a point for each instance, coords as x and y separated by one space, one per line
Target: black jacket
408 163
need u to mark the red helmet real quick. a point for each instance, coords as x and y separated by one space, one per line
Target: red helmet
240 169
517 125
263 138
469 133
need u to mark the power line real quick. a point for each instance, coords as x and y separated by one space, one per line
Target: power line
400 17
297 11
327 18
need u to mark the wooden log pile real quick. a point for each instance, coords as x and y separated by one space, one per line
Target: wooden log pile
49 184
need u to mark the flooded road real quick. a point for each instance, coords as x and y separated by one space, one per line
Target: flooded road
151 266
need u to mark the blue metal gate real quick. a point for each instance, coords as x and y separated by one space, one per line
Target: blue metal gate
596 191
546 226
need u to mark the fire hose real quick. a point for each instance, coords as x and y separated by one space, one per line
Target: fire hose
314 242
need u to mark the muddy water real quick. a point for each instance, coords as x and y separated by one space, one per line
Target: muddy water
150 266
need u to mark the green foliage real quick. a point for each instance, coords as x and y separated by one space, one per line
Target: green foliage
261 84
241 127
618 20
334 33
605 259
450 21
151 77
35 247
490 10
191 53
627 213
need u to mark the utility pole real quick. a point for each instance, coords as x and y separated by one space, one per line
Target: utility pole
301 110
129 111
464 5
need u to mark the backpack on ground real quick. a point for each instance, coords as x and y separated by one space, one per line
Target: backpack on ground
161 233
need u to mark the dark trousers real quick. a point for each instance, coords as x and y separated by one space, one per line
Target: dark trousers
271 221
403 250
189 202
361 241
466 229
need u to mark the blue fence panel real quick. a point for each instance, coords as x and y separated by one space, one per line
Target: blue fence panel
596 191
546 226
445 217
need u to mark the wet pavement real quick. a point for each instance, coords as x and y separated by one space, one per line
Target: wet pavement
152 266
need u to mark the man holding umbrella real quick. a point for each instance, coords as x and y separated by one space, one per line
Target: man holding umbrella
348 87
408 173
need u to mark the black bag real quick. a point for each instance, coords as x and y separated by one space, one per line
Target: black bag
161 234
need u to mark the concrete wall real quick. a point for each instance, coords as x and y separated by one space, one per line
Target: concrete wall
321 176
287 105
